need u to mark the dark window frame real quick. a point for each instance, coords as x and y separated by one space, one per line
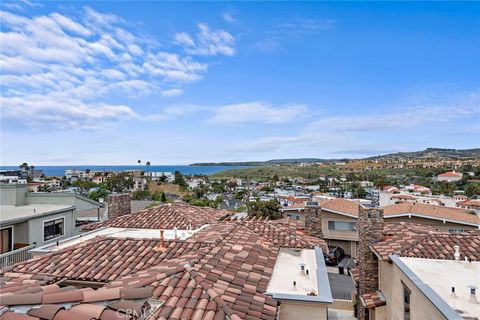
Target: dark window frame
331 225
406 292
56 229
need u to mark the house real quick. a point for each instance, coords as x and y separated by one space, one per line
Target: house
336 219
470 204
174 262
34 219
415 188
453 220
450 176
400 265
391 189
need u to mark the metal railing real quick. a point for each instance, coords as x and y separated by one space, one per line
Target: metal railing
16 256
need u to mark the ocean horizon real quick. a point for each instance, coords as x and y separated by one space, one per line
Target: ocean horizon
59 171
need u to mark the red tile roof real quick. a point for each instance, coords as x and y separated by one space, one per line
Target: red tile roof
373 299
104 259
469 203
412 240
451 174
341 205
179 215
222 271
432 211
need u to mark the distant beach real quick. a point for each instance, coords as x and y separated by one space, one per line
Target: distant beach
184 169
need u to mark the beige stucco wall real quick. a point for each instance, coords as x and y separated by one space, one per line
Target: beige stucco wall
333 234
391 278
439 225
293 310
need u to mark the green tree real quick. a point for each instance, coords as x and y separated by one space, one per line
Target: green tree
472 189
265 209
179 179
140 194
100 193
119 182
84 186
24 166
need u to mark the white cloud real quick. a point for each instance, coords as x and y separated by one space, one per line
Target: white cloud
351 135
60 68
172 92
257 112
207 42
228 17
294 28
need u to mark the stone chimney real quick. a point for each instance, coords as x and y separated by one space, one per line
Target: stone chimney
313 221
118 205
370 230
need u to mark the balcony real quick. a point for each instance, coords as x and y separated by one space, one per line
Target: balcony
15 256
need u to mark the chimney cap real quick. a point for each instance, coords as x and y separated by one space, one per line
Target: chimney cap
311 204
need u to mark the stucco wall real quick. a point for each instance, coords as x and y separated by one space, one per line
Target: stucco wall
335 234
429 222
13 194
36 227
391 278
293 310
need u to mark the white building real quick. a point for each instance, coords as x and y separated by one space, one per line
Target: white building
450 176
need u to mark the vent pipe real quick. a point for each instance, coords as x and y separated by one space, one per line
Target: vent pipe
457 253
473 296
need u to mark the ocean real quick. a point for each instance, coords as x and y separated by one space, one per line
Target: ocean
186 170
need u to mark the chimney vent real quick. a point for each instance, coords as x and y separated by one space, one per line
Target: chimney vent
473 297
457 253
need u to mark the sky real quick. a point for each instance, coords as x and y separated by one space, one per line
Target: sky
181 82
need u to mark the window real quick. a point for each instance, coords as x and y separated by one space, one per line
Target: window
6 240
293 216
406 302
341 226
53 229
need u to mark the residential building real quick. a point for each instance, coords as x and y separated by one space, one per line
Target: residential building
415 188
450 176
337 219
12 179
174 262
400 265
471 204
34 219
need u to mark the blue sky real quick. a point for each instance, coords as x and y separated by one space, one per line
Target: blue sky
174 83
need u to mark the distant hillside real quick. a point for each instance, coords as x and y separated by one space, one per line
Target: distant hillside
262 163
429 153
432 153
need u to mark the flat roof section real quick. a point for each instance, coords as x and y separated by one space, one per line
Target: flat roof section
122 233
442 275
300 274
10 213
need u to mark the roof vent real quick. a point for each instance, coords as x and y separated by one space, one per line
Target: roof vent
473 296
457 253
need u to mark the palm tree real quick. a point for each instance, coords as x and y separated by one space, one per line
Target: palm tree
139 166
148 166
24 166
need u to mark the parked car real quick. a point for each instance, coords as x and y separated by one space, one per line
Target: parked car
334 256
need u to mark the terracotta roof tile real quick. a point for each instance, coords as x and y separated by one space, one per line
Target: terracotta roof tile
373 299
179 215
413 240
341 205
434 211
